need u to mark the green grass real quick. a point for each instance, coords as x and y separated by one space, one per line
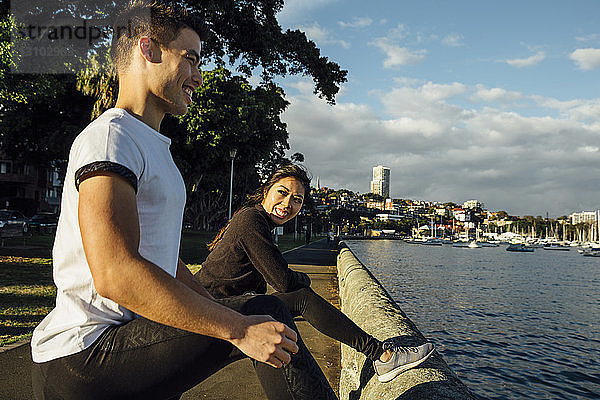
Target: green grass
193 246
45 240
286 242
27 292
194 251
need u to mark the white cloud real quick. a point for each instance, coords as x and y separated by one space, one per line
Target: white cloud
434 91
495 95
527 62
322 36
453 40
586 110
592 37
397 56
439 150
577 109
562 106
357 22
586 59
401 31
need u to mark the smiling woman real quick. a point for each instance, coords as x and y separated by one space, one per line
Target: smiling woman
284 199
276 202
244 259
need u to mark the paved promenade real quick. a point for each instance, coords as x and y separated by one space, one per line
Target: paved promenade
238 380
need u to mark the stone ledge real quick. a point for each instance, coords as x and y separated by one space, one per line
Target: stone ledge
369 305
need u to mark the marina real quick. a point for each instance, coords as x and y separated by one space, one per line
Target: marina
511 325
525 245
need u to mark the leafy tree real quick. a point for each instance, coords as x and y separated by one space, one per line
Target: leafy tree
40 114
405 225
37 129
373 197
341 216
502 215
345 192
227 113
244 34
297 157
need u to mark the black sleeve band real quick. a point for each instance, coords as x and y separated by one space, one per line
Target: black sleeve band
106 166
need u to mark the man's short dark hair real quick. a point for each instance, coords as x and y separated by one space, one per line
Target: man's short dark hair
159 20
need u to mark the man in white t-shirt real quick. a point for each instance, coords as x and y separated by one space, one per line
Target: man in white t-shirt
130 319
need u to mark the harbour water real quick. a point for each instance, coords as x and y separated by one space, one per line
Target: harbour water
511 325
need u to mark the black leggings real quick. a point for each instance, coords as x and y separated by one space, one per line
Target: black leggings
144 359
330 321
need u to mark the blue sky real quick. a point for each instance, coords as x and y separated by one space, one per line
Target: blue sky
495 101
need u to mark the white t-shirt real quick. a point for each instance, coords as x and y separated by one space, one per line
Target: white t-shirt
114 140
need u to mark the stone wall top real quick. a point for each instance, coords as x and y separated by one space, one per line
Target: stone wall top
369 305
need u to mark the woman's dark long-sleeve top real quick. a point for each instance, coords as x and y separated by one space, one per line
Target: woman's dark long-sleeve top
246 258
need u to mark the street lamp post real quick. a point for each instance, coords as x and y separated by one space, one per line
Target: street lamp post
232 154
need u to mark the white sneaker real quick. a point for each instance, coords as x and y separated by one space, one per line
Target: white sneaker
403 358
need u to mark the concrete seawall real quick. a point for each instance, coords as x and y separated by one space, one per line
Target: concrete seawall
368 304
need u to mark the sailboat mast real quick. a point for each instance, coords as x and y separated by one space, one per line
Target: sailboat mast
598 223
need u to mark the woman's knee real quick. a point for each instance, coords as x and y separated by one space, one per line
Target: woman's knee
267 305
306 292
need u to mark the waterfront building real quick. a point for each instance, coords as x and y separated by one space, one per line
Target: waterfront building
473 204
381 181
378 205
583 217
28 188
462 215
389 217
443 211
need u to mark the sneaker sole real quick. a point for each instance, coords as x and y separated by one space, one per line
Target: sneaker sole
388 376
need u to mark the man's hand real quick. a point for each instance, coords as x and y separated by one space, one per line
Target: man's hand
268 341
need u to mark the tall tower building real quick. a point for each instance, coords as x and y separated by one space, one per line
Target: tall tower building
381 181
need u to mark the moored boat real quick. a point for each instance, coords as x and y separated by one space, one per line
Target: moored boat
590 252
460 244
519 247
432 242
488 244
554 246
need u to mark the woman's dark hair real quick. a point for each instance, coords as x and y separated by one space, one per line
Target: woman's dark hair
295 171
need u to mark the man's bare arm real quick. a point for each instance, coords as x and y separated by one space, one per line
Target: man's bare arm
185 275
109 225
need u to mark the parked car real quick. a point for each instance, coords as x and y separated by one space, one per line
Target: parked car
43 222
12 224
